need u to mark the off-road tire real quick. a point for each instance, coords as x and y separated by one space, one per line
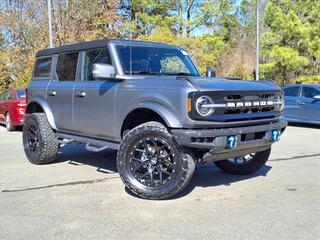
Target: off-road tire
47 149
185 161
9 125
250 167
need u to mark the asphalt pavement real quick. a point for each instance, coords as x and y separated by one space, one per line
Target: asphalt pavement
82 197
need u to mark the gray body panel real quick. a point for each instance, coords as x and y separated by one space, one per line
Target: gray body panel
165 96
60 99
225 85
94 113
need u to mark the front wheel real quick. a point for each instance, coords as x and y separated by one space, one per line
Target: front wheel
151 164
244 165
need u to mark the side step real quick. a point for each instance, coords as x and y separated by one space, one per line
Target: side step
92 144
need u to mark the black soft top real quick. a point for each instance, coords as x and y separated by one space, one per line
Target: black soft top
95 44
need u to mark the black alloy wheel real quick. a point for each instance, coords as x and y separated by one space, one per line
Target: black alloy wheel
152 161
151 164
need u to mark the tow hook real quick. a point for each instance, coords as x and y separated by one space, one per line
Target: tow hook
275 135
232 142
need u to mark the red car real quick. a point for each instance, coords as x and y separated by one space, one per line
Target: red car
12 108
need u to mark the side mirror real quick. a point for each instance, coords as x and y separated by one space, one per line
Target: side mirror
103 71
316 97
211 72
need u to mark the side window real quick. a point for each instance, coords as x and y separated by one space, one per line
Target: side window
91 57
42 67
3 96
309 92
291 91
67 66
9 95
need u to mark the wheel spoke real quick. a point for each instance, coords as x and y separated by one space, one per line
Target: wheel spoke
160 174
151 178
140 150
164 171
144 175
139 166
137 159
166 157
168 162
32 132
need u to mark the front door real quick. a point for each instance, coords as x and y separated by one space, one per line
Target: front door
94 98
60 91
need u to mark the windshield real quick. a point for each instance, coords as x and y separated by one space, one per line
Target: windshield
156 61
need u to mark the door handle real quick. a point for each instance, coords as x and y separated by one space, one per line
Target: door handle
300 103
81 94
52 93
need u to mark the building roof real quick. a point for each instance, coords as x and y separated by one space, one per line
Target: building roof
94 44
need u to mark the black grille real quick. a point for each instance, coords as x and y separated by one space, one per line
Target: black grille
242 99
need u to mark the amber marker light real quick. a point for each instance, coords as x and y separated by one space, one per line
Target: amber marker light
189 104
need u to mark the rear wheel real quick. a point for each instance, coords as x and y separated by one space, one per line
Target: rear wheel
244 165
39 141
151 164
9 125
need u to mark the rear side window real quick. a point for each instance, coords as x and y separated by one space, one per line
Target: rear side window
291 91
309 92
67 66
42 67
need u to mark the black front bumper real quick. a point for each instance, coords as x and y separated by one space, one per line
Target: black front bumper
251 139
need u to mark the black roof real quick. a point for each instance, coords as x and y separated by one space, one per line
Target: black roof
89 45
72 47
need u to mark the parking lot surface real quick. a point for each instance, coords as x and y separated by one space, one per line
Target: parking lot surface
82 197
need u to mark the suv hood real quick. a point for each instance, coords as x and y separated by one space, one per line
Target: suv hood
223 84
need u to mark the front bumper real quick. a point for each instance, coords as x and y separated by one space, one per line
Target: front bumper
251 139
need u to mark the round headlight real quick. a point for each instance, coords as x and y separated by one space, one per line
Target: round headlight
201 107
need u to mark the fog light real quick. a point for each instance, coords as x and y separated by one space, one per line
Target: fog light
275 135
232 142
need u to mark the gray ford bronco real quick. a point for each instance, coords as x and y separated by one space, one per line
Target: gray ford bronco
148 102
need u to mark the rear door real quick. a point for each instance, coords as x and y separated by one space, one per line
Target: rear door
309 107
292 96
94 98
60 90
